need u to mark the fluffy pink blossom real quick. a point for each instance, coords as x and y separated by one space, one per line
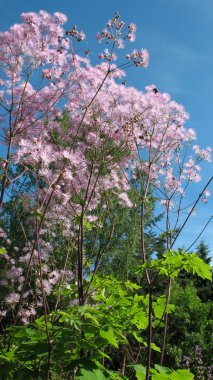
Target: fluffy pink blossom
132 27
12 299
124 199
80 135
60 17
203 154
207 193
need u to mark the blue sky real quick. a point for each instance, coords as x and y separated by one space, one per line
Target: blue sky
178 35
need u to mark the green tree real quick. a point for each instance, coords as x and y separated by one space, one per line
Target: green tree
203 251
113 243
190 326
204 288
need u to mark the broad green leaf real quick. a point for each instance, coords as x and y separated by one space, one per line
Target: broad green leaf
159 310
137 337
181 374
103 354
138 298
197 266
174 261
109 337
160 376
140 371
163 271
140 320
155 348
2 251
7 356
162 369
95 374
131 285
115 376
159 307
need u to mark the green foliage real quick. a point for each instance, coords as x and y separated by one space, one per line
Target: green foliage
190 325
95 371
162 373
83 336
173 262
116 236
2 251
204 288
114 314
203 252
160 305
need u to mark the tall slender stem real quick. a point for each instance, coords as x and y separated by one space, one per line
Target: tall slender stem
81 259
44 300
123 362
149 352
166 321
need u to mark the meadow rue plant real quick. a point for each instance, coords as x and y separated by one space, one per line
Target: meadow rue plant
74 133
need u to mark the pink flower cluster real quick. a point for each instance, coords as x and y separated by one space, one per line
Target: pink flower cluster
116 33
79 133
113 31
139 58
79 36
14 278
203 154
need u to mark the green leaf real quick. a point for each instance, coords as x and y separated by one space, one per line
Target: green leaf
95 374
2 251
161 376
7 356
162 369
159 310
131 285
109 337
181 374
155 348
137 337
140 320
140 371
87 225
163 271
115 375
198 266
